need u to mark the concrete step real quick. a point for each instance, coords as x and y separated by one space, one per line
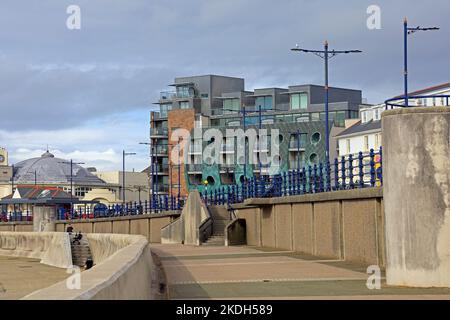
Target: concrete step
219 212
215 240
80 252
219 226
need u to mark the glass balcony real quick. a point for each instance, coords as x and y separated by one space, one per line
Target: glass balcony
195 149
163 132
167 95
195 168
160 150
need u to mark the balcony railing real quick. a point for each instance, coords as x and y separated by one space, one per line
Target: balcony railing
160 150
195 149
294 145
159 132
195 168
169 95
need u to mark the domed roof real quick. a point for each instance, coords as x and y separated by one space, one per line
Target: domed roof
51 170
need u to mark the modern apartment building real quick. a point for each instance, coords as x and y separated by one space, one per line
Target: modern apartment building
220 102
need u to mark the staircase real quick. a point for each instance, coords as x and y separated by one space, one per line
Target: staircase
220 217
80 252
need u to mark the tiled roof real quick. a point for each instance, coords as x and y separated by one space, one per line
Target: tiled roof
361 127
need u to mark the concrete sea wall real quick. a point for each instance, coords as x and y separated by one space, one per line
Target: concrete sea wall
148 225
53 248
124 270
346 225
416 170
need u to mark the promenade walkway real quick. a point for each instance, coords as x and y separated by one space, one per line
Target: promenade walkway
255 273
21 276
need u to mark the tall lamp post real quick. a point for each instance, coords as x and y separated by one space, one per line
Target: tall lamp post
406 31
124 154
71 163
326 54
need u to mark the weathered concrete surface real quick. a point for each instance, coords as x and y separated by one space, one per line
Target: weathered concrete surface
124 270
236 232
21 276
186 228
44 219
345 224
416 171
246 273
53 248
148 225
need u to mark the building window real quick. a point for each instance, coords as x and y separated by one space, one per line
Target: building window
204 96
339 119
184 105
81 191
231 105
299 101
164 108
266 103
364 116
348 146
366 143
376 114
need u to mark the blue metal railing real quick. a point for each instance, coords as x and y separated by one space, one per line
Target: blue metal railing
16 216
160 204
351 172
416 101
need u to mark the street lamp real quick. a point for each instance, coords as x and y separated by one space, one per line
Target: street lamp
71 180
326 54
408 30
124 154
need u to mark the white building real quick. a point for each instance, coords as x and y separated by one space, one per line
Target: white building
362 135
441 89
365 134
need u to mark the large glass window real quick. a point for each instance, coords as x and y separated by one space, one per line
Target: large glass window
185 92
184 105
339 118
164 108
231 105
299 101
266 103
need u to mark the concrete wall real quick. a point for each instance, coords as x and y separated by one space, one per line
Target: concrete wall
416 171
124 270
16 226
148 226
345 225
186 229
53 248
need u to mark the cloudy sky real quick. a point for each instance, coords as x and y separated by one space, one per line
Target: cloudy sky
87 93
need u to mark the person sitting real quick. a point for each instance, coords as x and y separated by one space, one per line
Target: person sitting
77 238
69 229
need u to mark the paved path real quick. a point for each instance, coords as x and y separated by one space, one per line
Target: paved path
257 273
21 276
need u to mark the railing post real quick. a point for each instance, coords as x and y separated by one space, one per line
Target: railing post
350 171
361 169
309 179
321 184
290 183
304 180
343 177
381 165
315 182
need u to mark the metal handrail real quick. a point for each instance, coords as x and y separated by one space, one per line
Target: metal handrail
401 100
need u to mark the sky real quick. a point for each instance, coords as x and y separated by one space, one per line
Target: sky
87 93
